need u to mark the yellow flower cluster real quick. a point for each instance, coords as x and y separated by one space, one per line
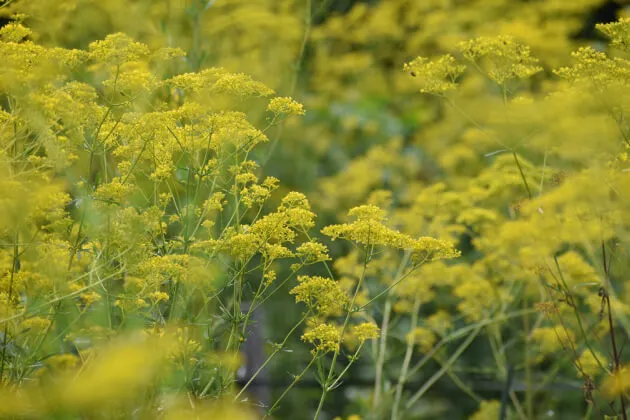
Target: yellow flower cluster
435 76
323 296
268 235
120 164
506 58
325 337
312 252
218 80
365 331
369 230
618 32
551 340
595 66
14 32
117 49
258 194
285 106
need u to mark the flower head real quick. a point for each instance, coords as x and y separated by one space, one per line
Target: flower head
325 337
285 106
506 58
435 76
321 294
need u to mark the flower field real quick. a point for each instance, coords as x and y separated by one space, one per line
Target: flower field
314 209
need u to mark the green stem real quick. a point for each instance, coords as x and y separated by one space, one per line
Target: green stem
308 21
578 317
428 384
381 352
14 269
286 391
463 331
520 170
407 360
529 386
278 349
385 328
353 359
331 371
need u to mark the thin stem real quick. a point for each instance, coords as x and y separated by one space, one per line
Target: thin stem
384 330
286 391
578 317
428 384
278 349
529 388
14 269
381 352
520 170
617 362
611 327
407 360
461 332
331 371
353 359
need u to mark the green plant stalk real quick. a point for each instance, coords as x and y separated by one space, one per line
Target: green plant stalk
279 348
353 359
406 361
331 371
461 332
520 170
611 327
256 296
578 317
286 391
382 344
461 385
388 289
529 386
499 358
14 268
616 358
428 384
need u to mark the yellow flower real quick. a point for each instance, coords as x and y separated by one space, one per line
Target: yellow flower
325 337
285 106
507 58
312 252
435 76
618 32
14 32
369 229
321 294
159 297
117 49
551 340
365 331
